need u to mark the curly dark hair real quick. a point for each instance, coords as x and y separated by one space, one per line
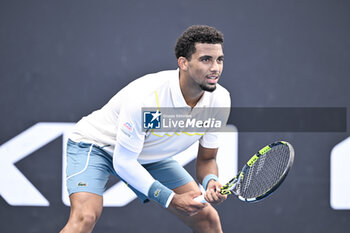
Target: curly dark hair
185 44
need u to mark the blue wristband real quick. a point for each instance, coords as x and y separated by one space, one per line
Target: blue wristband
208 178
159 193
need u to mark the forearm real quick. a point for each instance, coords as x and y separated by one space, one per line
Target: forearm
207 175
206 163
134 174
206 167
131 171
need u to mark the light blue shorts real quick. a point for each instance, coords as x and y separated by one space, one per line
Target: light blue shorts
89 167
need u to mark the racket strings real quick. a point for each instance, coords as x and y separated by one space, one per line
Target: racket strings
265 172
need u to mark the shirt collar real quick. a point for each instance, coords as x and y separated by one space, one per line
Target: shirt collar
177 97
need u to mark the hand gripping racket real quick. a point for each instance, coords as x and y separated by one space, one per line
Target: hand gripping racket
262 174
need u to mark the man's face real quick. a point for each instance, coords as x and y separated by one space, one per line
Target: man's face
205 66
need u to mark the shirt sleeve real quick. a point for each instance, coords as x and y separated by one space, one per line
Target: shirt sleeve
129 132
126 165
210 140
128 168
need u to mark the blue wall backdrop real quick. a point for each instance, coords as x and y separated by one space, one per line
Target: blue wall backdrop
60 60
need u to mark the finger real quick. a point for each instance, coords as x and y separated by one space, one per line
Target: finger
198 205
218 192
193 213
221 197
210 194
207 196
195 209
218 187
194 194
218 197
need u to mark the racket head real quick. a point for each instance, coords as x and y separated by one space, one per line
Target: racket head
263 173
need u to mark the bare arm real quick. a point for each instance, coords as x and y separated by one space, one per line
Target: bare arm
206 162
205 165
126 165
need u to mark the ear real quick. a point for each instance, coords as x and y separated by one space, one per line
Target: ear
182 62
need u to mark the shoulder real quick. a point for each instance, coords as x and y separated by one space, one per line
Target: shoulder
154 79
151 82
221 91
141 91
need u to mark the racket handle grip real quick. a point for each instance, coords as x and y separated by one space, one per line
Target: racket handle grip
200 199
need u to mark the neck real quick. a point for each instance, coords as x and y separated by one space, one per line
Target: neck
190 91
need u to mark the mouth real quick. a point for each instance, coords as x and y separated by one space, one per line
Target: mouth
212 79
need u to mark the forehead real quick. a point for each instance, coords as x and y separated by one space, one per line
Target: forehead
203 49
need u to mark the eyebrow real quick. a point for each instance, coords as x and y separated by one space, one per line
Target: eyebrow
207 57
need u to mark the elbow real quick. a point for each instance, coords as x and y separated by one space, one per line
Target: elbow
123 159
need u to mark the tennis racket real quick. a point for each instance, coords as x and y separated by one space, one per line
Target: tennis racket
262 174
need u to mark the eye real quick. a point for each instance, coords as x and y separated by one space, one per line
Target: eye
205 59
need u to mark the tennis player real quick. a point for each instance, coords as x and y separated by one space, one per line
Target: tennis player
111 140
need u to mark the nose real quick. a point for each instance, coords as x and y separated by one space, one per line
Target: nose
215 67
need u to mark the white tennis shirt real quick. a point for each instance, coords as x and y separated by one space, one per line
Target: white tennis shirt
121 118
